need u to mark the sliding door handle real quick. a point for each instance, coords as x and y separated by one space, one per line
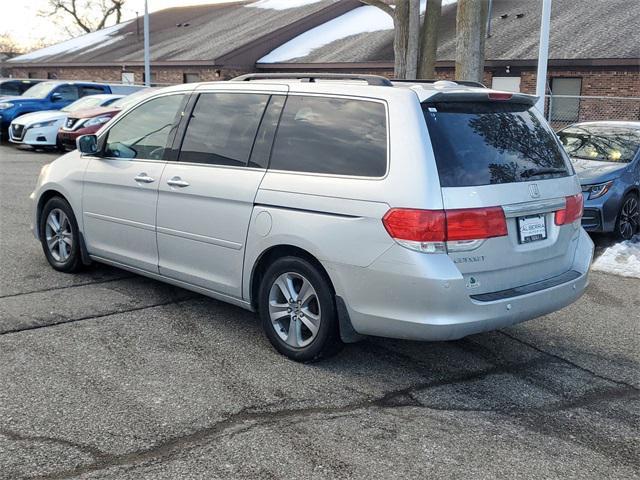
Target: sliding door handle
177 182
144 178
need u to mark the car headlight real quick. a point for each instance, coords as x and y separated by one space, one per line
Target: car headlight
43 124
598 190
5 105
96 121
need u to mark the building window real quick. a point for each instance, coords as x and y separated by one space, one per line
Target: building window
52 76
565 102
31 75
190 77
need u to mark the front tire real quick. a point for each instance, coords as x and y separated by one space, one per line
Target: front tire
298 312
628 218
60 237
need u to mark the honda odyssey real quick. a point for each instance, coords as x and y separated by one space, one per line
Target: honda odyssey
334 206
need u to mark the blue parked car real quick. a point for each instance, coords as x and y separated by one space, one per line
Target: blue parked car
606 157
53 96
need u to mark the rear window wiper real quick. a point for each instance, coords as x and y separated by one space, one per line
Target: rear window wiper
534 172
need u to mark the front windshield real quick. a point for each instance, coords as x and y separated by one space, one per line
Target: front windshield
85 103
41 90
603 143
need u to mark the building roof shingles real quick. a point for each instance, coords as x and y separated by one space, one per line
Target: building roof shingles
584 29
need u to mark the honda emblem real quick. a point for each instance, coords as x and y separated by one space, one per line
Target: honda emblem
534 191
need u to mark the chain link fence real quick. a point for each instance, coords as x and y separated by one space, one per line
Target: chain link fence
563 110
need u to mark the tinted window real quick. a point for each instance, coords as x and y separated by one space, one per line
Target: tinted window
222 128
604 143
91 91
487 143
268 127
68 93
145 131
331 135
10 89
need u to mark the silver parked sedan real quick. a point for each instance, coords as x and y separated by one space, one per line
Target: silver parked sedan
335 206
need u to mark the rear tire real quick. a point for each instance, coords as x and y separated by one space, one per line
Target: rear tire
59 236
628 218
297 308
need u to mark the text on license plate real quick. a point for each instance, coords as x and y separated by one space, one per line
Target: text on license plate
532 228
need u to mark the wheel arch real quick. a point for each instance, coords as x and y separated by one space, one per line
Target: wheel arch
42 200
270 255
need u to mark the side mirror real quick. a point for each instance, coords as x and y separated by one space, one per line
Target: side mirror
56 97
87 144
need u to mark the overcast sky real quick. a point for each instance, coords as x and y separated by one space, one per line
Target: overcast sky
19 18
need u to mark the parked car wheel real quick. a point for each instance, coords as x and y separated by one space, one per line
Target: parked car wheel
628 218
298 311
59 236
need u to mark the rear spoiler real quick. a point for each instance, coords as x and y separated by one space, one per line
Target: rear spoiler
461 96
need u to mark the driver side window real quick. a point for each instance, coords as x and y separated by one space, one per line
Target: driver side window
146 131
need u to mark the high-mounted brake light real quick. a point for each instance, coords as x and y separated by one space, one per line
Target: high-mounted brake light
572 211
429 230
500 96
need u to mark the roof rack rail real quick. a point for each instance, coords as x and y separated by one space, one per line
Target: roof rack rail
375 80
466 83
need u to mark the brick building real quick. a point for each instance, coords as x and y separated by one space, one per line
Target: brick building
594 48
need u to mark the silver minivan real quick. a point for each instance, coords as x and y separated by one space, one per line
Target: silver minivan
335 206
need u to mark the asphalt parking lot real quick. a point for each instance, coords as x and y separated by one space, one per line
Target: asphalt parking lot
110 375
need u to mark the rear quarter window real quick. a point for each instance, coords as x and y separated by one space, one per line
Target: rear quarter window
486 143
336 136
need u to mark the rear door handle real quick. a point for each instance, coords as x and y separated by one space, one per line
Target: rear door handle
177 182
144 178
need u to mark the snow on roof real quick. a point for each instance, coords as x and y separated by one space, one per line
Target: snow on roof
621 259
281 4
97 39
360 20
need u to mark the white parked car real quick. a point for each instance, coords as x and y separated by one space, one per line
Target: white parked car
40 129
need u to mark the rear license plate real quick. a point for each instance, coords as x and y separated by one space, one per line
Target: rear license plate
532 228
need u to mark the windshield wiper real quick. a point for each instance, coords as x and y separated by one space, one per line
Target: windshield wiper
535 172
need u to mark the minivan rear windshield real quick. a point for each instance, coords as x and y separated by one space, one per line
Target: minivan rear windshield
484 143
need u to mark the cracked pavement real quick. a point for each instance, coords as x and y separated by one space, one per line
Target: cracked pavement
107 375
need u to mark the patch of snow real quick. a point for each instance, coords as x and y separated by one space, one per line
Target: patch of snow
281 4
359 20
93 39
621 259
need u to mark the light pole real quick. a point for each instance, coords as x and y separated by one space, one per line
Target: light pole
147 64
543 55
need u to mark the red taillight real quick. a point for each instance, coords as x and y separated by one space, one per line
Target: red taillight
445 225
476 223
572 211
500 96
415 225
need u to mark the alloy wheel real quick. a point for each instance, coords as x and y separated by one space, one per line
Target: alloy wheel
294 309
59 235
629 218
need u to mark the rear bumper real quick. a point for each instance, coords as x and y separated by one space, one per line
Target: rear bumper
427 299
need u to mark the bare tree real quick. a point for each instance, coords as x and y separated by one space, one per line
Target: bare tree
429 40
471 31
413 40
400 16
9 45
86 15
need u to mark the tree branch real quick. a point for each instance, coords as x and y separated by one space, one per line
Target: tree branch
381 5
